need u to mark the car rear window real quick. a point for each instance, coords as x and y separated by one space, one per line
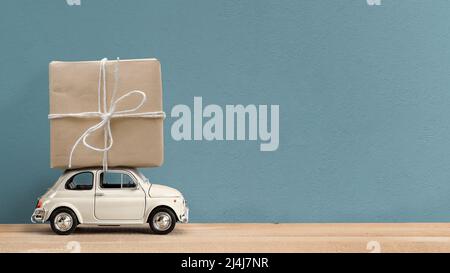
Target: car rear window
80 182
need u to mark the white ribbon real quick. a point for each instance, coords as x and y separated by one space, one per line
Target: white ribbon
107 114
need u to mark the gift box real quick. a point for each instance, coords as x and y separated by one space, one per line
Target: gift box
106 113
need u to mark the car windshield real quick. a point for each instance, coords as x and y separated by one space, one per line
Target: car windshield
145 179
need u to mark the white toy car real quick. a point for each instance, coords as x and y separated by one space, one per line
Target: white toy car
118 197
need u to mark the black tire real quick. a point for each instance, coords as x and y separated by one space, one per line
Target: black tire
161 213
66 213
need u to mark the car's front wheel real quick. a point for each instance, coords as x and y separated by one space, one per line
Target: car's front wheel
162 220
63 221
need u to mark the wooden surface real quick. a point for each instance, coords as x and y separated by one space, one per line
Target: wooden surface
418 237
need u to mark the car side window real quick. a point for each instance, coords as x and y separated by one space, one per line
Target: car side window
80 182
116 180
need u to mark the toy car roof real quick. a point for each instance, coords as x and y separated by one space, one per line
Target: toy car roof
100 168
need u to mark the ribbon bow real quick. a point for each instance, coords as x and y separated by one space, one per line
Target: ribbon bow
107 114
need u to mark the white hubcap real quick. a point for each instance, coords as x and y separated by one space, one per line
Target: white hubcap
162 221
63 221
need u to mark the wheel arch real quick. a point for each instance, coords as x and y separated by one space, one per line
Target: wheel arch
162 206
66 206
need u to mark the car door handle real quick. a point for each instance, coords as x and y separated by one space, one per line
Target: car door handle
99 194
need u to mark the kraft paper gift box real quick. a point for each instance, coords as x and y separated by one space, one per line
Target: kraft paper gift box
137 138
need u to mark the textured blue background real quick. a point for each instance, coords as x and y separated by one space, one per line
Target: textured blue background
364 95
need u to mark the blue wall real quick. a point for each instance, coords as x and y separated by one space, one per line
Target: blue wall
364 95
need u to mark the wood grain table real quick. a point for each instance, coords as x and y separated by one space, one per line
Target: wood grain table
404 237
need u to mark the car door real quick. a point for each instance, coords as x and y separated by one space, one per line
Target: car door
118 196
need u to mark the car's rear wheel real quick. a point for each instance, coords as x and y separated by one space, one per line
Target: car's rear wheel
162 220
63 221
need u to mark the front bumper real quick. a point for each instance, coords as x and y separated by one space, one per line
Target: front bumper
184 218
38 216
